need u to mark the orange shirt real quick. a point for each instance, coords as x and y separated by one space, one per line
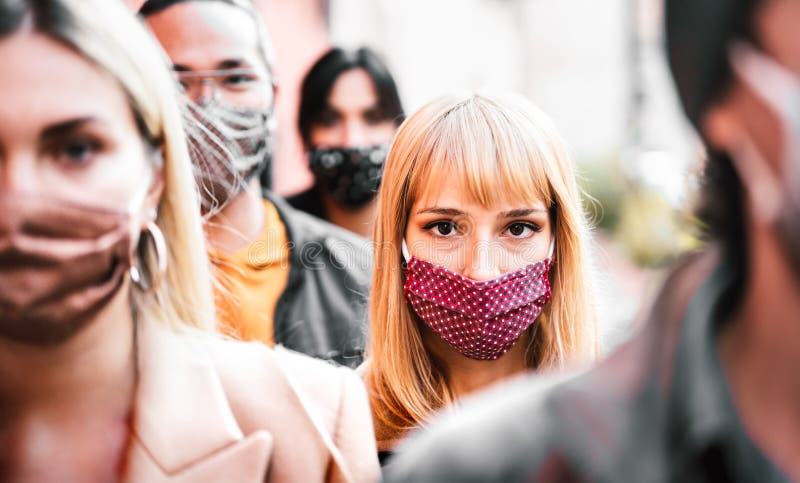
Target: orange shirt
250 282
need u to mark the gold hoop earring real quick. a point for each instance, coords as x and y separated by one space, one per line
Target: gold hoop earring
160 247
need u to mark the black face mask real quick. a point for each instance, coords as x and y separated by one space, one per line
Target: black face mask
229 146
351 176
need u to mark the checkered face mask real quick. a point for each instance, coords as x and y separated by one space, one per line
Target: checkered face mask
228 145
481 320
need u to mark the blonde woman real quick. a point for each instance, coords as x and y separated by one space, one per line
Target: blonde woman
107 371
482 248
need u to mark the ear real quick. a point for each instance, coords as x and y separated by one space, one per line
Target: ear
153 198
721 128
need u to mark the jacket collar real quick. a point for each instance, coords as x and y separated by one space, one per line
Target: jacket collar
703 420
297 237
184 428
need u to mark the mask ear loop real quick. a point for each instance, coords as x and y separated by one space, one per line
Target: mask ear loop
552 248
764 187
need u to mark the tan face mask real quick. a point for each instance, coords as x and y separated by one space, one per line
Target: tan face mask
60 264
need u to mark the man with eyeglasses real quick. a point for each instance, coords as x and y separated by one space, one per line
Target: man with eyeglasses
709 390
282 276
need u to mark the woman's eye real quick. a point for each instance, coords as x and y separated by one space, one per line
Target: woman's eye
374 116
442 228
77 152
328 119
522 230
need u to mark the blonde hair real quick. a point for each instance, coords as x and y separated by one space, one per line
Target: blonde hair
503 148
107 34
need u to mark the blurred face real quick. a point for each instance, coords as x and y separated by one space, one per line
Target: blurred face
74 140
352 118
447 228
745 109
214 50
758 123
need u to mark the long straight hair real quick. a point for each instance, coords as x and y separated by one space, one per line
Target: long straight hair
321 77
501 148
106 34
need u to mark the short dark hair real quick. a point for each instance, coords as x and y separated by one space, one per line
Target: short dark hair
151 7
319 81
699 33
698 36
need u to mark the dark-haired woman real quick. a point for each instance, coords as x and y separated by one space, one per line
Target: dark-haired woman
349 111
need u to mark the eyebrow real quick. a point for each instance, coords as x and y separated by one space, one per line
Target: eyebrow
66 127
233 64
506 214
441 211
520 212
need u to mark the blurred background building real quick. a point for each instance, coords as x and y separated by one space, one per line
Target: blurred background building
597 68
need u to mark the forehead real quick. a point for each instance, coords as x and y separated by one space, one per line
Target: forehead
445 187
200 35
83 90
776 23
353 89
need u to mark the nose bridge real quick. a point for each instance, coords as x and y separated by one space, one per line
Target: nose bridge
353 132
17 172
202 89
482 258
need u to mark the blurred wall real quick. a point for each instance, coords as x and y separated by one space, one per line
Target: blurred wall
573 58
300 33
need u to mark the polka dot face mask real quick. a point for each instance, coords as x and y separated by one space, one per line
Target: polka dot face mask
481 320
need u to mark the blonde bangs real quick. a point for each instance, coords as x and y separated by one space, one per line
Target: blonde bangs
495 156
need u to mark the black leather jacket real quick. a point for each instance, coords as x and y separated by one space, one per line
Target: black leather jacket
322 311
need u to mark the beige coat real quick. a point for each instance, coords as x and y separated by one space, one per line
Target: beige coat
211 410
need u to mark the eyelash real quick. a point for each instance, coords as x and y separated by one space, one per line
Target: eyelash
532 226
60 150
239 79
430 226
434 224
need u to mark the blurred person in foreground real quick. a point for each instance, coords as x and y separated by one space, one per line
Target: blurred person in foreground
109 368
484 260
349 111
283 276
709 390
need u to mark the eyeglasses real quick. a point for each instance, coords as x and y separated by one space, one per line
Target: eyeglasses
231 85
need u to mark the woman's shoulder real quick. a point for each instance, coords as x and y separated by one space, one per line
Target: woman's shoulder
251 369
310 405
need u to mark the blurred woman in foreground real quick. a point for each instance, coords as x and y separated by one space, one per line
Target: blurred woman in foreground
106 370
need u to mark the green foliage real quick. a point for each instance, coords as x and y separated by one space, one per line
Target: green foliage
638 216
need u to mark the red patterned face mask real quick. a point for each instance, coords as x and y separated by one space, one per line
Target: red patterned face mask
481 320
